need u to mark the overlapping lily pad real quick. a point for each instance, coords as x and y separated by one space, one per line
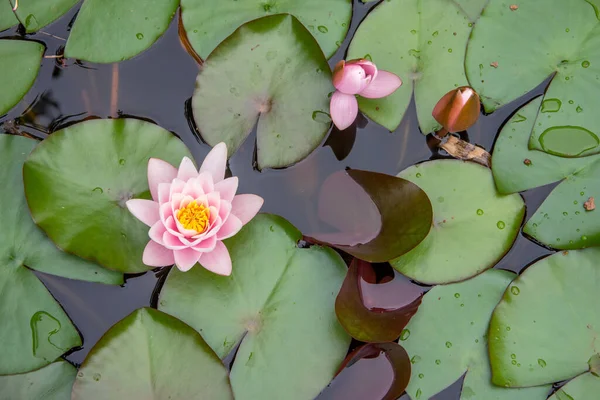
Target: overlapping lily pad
561 221
7 16
545 329
78 180
473 227
108 31
151 355
563 40
36 14
269 72
207 23
447 338
35 329
582 387
53 382
362 207
20 62
278 302
422 41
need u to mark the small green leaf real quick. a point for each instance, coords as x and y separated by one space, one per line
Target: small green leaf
424 43
20 62
151 355
53 382
207 23
447 338
473 225
108 31
270 70
7 16
36 14
78 180
547 321
278 302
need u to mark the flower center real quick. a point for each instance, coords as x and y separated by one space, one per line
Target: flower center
194 216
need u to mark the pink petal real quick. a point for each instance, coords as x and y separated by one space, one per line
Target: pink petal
227 188
144 210
157 232
206 245
172 227
156 255
368 66
351 79
165 212
216 162
246 206
172 242
192 189
343 109
159 171
186 259
385 84
187 170
231 226
205 181
218 260
164 192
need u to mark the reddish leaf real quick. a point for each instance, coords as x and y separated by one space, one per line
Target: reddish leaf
378 217
372 371
372 312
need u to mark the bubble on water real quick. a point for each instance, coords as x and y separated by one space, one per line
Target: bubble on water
415 359
434 34
457 295
97 377
421 376
322 29
405 334
418 175
479 211
501 225
139 35
515 290
122 161
448 344
97 190
542 363
585 64
513 356
438 362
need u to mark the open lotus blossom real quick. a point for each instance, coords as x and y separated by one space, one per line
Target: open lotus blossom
192 212
358 77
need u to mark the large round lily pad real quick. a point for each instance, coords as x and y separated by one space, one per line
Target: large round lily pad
78 180
109 31
473 225
151 355
548 321
207 23
562 40
419 40
447 337
20 62
270 70
53 382
7 16
35 329
36 14
278 302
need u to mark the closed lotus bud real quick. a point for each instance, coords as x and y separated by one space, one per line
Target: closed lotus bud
458 110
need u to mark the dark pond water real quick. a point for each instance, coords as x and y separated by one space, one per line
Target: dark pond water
156 86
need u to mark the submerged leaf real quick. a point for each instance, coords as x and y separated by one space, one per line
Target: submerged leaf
36 14
53 382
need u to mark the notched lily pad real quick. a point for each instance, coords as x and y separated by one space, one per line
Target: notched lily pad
151 355
291 342
53 382
20 62
78 180
375 312
108 31
419 40
7 16
375 217
447 338
547 321
36 14
271 73
568 50
473 225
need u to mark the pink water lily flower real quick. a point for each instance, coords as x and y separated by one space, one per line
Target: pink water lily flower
358 77
192 212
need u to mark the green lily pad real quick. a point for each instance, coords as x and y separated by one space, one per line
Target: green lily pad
473 225
53 382
208 23
561 221
98 36
7 16
422 41
291 342
563 41
20 62
440 356
547 321
582 387
36 14
270 70
78 180
151 355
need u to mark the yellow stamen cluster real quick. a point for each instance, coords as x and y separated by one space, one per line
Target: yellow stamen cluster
194 216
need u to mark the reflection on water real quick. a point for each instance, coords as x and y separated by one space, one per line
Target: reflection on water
156 86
